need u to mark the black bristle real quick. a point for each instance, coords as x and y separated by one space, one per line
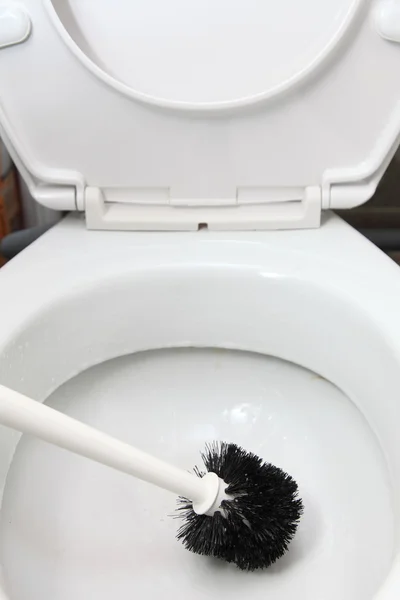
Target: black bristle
257 525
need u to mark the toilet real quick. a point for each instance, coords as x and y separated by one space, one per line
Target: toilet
200 286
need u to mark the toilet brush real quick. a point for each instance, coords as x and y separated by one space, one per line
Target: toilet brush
241 509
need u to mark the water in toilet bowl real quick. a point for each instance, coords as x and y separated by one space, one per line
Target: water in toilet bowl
72 529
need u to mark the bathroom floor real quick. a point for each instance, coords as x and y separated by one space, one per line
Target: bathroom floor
73 530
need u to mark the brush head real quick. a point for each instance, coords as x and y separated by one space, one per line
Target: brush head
255 527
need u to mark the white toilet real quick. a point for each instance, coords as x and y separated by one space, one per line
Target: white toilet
222 300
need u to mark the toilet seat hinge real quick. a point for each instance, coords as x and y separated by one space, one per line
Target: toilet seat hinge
254 208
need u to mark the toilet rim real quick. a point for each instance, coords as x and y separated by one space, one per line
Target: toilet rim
66 317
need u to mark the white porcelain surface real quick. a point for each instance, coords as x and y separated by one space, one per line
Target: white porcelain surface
72 529
77 298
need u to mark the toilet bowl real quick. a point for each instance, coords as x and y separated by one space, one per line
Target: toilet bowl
171 342
200 287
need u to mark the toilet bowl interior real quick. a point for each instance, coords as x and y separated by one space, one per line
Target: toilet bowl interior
238 309
104 532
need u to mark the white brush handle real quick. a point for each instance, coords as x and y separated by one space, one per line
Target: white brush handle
29 416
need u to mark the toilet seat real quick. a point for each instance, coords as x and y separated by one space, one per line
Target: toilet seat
247 143
272 145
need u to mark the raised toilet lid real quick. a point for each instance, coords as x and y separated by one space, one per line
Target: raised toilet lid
242 114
